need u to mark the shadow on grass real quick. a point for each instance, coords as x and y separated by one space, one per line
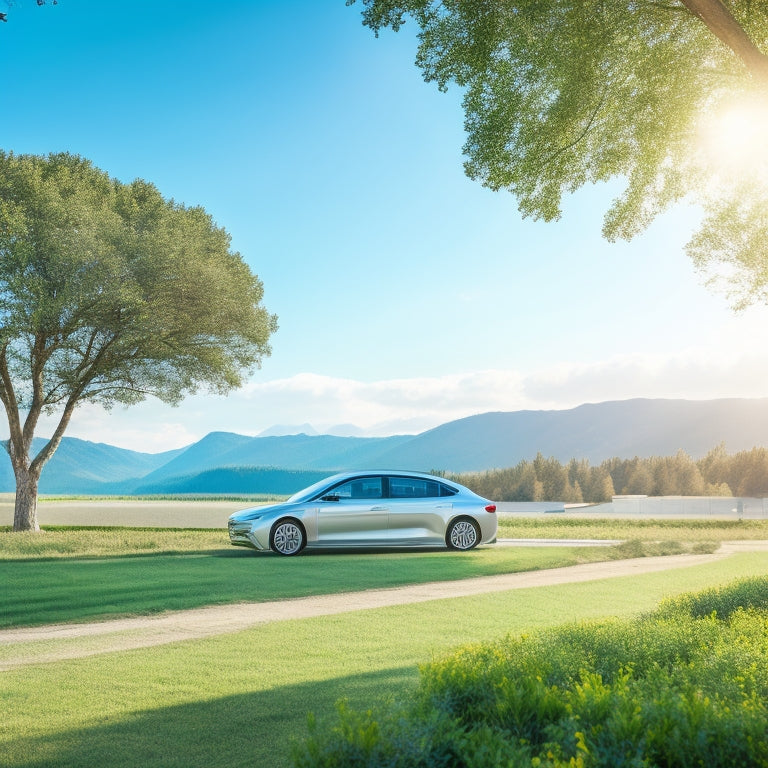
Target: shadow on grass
254 729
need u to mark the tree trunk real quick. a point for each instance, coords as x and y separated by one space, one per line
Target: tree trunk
25 512
724 26
28 472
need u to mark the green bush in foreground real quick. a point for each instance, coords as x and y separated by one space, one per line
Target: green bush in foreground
684 686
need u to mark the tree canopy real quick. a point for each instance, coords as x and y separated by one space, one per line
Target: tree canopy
110 293
744 473
669 95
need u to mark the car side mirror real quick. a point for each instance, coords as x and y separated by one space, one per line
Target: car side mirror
330 497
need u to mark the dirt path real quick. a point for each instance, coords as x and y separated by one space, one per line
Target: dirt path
23 646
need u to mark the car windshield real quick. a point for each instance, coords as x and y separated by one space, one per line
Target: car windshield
312 490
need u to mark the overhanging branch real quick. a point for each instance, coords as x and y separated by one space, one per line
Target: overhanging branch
723 25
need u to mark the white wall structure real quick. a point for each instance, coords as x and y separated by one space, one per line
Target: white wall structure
715 507
727 507
529 507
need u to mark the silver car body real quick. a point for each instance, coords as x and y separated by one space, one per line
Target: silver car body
371 508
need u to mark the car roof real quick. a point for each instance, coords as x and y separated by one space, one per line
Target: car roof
340 477
389 472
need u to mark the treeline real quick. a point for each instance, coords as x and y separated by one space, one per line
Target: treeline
547 479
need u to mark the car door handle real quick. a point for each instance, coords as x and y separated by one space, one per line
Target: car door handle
379 509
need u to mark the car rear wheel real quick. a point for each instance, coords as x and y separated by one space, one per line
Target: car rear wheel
462 534
287 537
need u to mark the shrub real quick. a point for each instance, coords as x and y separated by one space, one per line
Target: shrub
723 601
684 686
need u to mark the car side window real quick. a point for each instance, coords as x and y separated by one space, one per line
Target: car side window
360 488
413 488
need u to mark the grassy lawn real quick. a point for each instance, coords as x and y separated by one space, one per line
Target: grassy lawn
92 541
241 699
680 530
76 574
63 541
77 588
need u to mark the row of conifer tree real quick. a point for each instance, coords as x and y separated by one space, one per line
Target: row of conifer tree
547 479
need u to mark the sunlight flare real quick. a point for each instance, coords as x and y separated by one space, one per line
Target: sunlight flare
735 139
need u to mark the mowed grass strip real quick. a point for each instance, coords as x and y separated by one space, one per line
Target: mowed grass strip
243 699
677 529
48 591
77 574
94 541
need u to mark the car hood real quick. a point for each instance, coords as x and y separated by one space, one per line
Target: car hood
253 512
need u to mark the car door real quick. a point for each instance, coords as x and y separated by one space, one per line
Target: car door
418 514
354 512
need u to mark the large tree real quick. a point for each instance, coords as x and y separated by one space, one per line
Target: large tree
110 293
670 95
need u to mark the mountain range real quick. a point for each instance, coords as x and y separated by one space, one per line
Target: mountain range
223 462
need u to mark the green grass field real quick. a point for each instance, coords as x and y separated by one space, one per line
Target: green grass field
94 541
673 529
242 699
74 574
77 588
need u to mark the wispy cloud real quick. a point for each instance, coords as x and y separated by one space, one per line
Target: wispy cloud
387 406
692 376
391 405
412 405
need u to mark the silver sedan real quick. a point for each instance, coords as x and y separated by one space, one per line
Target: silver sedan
358 509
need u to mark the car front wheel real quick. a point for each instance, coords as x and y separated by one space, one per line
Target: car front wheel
462 534
287 538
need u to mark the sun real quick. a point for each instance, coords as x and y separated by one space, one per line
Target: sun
734 139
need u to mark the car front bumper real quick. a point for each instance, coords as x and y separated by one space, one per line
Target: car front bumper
241 535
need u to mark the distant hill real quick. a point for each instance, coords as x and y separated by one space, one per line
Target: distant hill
594 432
223 460
320 452
278 430
80 466
224 480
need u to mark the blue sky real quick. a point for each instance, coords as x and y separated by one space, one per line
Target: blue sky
407 295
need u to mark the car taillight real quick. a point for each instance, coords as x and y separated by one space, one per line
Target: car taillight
490 508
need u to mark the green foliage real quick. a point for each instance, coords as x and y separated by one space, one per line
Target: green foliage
110 293
639 548
718 474
722 601
746 472
561 94
398 741
683 686
117 292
